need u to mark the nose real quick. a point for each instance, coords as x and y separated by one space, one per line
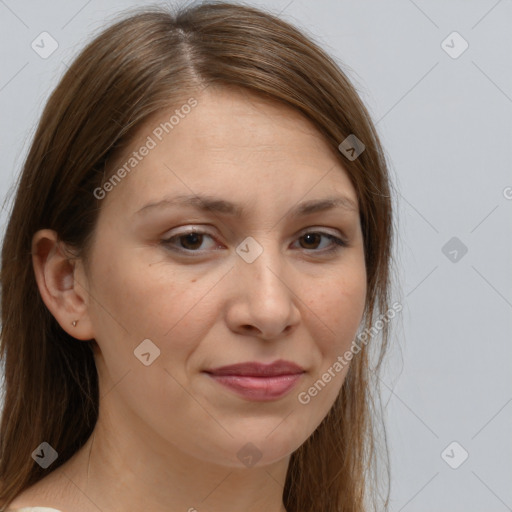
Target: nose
264 302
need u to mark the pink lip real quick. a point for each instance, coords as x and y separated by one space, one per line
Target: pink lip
257 381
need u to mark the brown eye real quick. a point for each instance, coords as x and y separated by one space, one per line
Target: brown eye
188 242
312 240
191 241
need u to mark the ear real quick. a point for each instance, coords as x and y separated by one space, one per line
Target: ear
62 284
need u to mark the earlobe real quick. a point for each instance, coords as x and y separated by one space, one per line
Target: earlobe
63 295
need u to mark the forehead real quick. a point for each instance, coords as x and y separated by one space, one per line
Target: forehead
230 142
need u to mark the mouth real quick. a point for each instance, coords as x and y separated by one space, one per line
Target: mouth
257 381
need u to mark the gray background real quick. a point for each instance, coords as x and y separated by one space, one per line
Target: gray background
446 126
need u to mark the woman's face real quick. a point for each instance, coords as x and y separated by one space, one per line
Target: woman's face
261 281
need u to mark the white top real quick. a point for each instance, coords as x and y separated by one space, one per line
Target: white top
34 509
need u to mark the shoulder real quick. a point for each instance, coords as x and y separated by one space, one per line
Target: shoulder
53 493
45 491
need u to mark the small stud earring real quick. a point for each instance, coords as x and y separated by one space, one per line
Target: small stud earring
74 323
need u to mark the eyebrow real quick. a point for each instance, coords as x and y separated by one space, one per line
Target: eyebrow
207 203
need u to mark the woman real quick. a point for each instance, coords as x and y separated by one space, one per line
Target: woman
202 227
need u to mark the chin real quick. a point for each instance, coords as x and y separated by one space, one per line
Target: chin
255 449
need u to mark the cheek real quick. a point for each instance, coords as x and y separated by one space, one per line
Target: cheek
137 299
336 314
340 306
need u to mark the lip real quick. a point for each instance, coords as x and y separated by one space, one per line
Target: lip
257 381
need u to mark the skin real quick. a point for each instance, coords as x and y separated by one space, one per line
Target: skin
294 302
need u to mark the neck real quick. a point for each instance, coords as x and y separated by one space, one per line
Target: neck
124 467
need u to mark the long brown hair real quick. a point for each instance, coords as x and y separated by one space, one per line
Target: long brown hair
143 63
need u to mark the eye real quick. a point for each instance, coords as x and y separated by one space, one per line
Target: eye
314 238
191 241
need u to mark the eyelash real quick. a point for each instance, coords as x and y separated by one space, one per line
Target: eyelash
336 245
